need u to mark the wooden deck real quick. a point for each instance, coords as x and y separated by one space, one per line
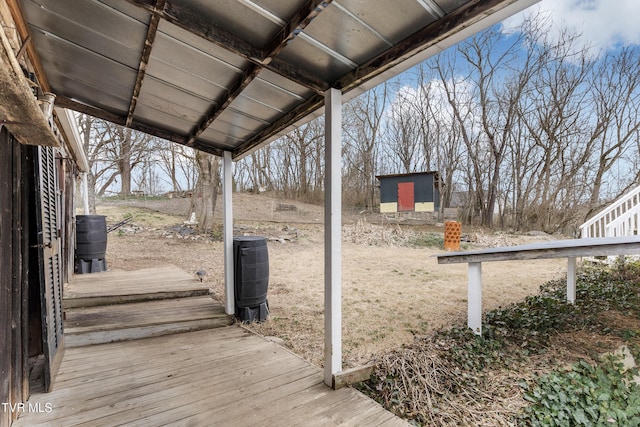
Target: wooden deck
218 377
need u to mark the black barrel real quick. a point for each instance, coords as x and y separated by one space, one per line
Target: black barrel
251 277
91 237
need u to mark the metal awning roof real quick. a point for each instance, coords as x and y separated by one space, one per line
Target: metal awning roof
231 75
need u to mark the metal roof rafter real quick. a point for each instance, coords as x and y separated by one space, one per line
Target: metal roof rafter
196 24
23 30
144 59
310 105
218 107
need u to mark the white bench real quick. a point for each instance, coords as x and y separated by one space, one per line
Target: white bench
571 249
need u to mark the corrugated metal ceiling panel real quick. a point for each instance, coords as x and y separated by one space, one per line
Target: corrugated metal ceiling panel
93 26
151 112
266 93
161 96
450 5
225 140
96 78
393 21
309 55
236 17
124 7
183 66
237 125
229 74
357 42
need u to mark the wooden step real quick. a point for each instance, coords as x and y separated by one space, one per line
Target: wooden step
122 287
186 290
129 321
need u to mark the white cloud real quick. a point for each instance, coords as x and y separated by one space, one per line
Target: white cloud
408 97
604 24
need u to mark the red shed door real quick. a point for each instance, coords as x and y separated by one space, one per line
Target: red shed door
405 197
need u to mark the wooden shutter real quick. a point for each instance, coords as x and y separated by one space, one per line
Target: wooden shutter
50 262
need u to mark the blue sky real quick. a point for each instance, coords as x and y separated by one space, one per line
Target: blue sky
604 24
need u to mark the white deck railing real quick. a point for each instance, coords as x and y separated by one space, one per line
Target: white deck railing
621 218
625 225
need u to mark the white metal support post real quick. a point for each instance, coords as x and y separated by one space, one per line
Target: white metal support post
85 193
332 236
227 230
474 295
571 280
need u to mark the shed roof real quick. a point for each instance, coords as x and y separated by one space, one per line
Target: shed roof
411 174
232 75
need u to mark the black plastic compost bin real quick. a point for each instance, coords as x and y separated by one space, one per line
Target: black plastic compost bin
251 276
91 243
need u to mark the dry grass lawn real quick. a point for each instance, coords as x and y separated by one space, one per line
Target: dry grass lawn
391 291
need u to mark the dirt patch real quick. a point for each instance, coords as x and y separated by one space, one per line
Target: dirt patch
391 290
246 207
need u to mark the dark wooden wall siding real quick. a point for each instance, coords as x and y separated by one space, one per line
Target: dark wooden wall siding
14 282
424 187
21 274
6 291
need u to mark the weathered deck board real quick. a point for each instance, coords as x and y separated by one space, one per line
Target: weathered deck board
552 249
224 376
119 286
168 271
135 314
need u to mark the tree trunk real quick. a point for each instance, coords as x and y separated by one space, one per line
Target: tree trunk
124 162
203 202
91 190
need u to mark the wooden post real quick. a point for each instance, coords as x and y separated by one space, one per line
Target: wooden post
227 230
571 280
332 236
474 295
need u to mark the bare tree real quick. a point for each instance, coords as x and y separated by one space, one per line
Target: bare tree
300 150
147 179
555 113
615 89
498 93
363 133
403 130
437 132
129 150
261 168
91 143
463 109
178 164
113 152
